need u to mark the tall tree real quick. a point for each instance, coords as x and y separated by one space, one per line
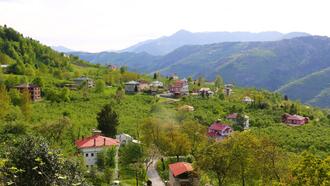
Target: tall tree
218 82
108 121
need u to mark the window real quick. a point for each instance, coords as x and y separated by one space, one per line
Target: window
92 154
86 154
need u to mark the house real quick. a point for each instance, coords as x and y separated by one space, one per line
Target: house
112 67
132 87
235 118
90 146
3 66
186 108
247 99
81 80
155 86
231 86
294 120
123 139
205 92
227 91
182 174
34 90
143 85
174 77
180 87
219 130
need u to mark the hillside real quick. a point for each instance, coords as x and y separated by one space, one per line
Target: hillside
167 44
269 65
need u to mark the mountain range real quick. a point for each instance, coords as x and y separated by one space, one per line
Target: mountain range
167 44
298 67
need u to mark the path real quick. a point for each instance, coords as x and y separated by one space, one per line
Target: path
115 174
154 176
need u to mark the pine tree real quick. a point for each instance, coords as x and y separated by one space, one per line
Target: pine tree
108 121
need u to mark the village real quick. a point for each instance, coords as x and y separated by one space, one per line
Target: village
181 173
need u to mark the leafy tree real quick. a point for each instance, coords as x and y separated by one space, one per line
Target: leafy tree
31 161
106 158
38 81
65 94
218 82
312 170
123 69
200 81
119 94
108 121
4 101
99 86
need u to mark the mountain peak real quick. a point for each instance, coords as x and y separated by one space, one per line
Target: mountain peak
182 32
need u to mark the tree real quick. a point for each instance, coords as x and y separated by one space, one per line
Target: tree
108 121
155 76
216 158
38 81
218 82
30 161
123 69
119 94
25 103
312 170
99 86
4 101
106 158
200 81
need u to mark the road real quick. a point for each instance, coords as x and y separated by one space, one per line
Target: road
154 176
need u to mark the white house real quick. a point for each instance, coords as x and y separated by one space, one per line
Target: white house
132 87
157 84
123 139
3 66
247 99
79 81
90 146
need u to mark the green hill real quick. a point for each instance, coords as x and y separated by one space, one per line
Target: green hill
267 65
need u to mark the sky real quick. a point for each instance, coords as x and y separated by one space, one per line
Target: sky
99 25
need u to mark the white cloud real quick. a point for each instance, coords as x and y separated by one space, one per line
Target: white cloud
95 25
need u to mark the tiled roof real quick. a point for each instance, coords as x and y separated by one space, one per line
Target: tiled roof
218 126
96 141
180 168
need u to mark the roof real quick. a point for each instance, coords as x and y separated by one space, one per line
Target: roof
295 117
204 89
99 140
232 116
219 126
26 86
132 83
180 168
82 79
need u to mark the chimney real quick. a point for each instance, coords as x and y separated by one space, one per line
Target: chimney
96 132
94 142
104 141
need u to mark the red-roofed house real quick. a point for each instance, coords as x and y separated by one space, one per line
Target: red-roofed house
182 174
218 130
180 87
90 146
294 120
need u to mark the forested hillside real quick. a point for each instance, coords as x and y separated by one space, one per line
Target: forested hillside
269 65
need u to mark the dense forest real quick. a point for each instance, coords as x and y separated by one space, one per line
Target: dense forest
37 138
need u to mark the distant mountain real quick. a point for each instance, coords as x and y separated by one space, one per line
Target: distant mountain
298 67
61 49
167 44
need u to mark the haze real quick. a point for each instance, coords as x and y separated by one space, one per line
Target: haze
100 25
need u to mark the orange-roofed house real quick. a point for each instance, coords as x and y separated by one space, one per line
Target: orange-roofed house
90 146
182 174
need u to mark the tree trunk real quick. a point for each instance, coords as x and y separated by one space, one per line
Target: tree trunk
177 158
137 178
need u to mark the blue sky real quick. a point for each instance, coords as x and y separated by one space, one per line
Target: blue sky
98 25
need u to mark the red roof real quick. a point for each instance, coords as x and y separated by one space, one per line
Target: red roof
96 141
295 117
180 168
218 126
232 116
